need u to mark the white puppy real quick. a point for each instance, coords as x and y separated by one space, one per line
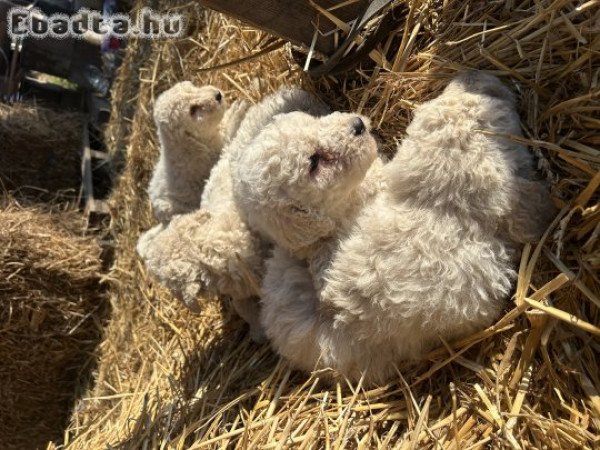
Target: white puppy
212 250
192 130
302 179
431 256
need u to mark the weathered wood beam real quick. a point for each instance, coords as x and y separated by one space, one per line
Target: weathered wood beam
91 204
293 20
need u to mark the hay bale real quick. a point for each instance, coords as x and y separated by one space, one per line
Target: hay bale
167 378
40 150
49 320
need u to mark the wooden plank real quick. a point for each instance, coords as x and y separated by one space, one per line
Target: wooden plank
86 170
91 204
98 108
100 207
99 155
47 93
293 20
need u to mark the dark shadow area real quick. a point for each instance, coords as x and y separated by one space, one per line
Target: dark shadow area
51 321
53 306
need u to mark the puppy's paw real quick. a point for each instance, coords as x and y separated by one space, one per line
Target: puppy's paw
146 239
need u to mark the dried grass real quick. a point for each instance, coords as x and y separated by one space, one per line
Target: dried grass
169 379
49 319
40 150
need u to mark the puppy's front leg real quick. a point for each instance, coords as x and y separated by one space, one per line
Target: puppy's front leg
289 312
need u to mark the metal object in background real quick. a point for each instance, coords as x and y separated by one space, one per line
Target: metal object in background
342 60
293 20
332 29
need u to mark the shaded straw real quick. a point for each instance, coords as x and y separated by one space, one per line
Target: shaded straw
51 305
40 150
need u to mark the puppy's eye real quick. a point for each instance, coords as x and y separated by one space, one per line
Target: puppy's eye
195 110
314 163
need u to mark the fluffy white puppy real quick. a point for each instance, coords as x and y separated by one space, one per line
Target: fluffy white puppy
302 199
192 128
431 256
302 179
212 250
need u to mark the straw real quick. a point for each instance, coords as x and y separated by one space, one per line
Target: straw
50 319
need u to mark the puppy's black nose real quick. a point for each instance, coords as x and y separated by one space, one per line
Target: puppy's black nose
358 126
219 97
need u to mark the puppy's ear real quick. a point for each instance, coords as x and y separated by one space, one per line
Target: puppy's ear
531 210
298 228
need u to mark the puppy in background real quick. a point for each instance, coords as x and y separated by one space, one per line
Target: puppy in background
193 126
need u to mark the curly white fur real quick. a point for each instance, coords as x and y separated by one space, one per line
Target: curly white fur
431 256
303 178
212 249
192 127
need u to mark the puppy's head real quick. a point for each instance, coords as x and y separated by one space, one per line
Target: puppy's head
299 171
479 83
197 110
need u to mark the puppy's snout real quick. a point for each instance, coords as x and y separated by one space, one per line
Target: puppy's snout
219 96
358 126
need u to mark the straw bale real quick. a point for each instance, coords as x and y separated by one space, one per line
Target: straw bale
49 320
170 379
40 150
